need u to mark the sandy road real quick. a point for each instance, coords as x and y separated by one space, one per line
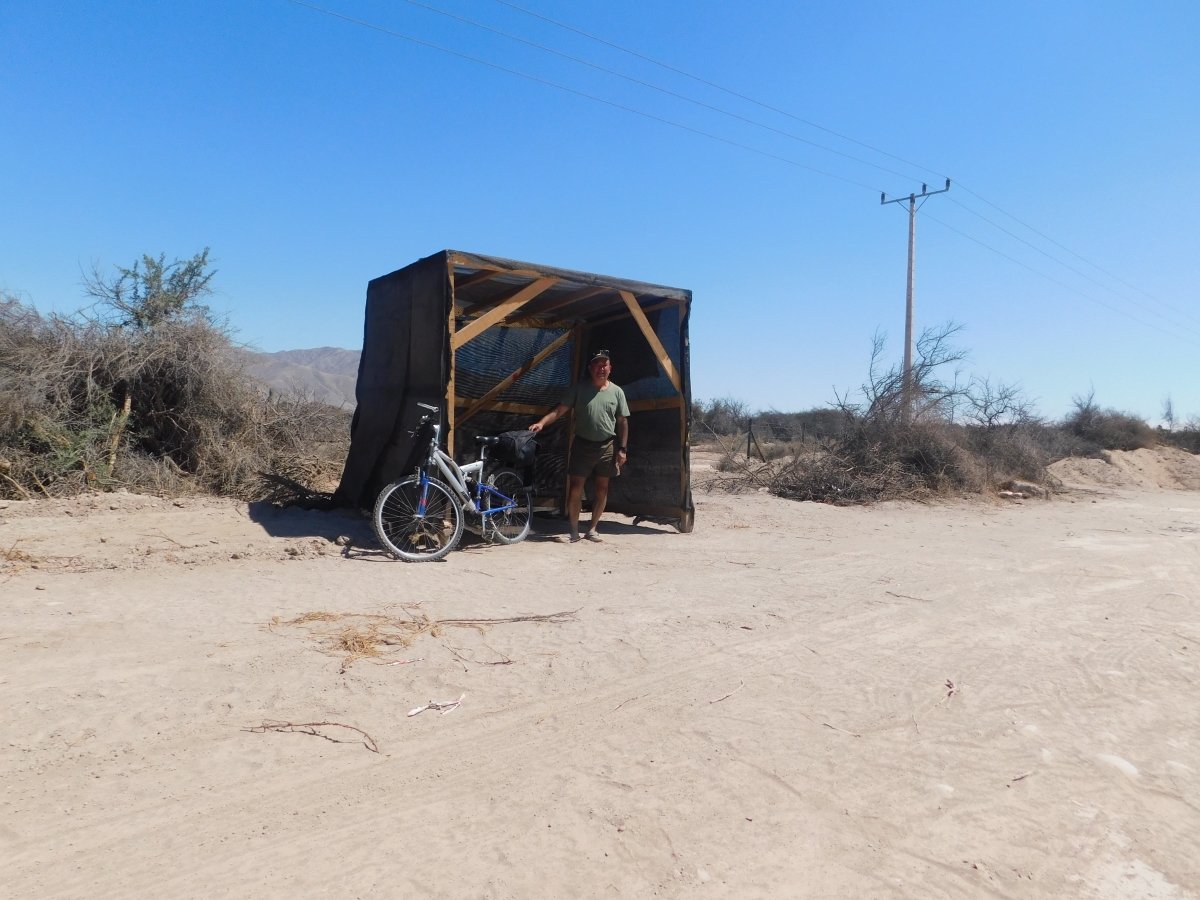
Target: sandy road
942 701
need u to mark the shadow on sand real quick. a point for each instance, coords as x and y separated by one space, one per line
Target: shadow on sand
293 522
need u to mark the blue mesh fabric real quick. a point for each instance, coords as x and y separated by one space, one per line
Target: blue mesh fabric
660 385
483 362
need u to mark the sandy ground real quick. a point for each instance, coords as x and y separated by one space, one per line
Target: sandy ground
796 700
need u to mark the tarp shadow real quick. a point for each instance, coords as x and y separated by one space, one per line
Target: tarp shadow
292 522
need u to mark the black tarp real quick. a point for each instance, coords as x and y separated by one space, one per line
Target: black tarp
406 359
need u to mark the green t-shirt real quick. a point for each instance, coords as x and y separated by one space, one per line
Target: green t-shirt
596 411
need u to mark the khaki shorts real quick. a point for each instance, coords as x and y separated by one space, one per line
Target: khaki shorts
593 458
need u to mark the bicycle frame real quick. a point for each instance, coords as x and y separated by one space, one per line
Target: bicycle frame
457 476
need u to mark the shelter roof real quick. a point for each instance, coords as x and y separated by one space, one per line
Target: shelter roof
481 282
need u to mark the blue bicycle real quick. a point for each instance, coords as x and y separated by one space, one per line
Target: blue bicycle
420 518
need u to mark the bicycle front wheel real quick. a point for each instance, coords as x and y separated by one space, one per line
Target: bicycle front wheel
410 534
512 525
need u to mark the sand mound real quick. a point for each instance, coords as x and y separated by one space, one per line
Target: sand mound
1167 468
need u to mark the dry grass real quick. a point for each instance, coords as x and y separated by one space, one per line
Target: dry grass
170 410
365 635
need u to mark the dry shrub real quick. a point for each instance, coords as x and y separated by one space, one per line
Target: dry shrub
1099 429
1185 439
168 408
872 463
933 436
722 416
899 442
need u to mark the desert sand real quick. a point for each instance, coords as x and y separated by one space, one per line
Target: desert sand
970 699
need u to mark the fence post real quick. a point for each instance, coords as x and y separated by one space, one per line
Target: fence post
749 434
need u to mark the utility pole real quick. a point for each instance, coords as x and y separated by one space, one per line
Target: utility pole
906 388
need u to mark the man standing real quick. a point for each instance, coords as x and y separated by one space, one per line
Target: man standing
601 438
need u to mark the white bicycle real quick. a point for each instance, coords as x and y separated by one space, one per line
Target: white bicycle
420 518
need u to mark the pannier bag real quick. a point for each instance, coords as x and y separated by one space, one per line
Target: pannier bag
517 448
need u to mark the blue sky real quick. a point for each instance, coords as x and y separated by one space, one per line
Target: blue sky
312 154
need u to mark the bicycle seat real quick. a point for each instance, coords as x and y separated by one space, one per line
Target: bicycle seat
480 439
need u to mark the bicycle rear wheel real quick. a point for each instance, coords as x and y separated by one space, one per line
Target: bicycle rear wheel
512 525
407 533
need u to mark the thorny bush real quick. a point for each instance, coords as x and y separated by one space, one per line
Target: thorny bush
935 435
158 401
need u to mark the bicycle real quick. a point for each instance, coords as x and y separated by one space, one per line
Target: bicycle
420 518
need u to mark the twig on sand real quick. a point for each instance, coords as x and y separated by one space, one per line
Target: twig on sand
842 730
623 702
915 725
906 596
1021 777
458 651
552 619
311 728
448 707
730 694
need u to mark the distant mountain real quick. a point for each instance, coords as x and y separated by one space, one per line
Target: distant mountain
327 373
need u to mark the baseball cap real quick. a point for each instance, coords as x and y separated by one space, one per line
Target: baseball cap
599 354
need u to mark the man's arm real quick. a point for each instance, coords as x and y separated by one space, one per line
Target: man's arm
622 439
550 417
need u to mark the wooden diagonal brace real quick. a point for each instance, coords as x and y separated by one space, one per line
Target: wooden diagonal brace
507 382
498 312
573 297
655 344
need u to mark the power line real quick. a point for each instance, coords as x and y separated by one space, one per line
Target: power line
713 84
871 147
578 93
1098 284
740 145
655 87
1061 284
1077 256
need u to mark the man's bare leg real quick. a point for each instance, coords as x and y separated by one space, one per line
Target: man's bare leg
575 502
598 502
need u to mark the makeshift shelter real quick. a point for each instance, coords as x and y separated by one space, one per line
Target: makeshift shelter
495 343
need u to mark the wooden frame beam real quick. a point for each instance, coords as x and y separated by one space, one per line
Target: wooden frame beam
625 313
504 406
660 351
498 312
511 379
656 403
476 309
467 280
581 310
560 302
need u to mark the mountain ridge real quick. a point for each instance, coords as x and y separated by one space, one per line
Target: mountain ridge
328 374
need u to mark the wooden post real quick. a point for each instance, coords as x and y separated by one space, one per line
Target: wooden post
576 356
